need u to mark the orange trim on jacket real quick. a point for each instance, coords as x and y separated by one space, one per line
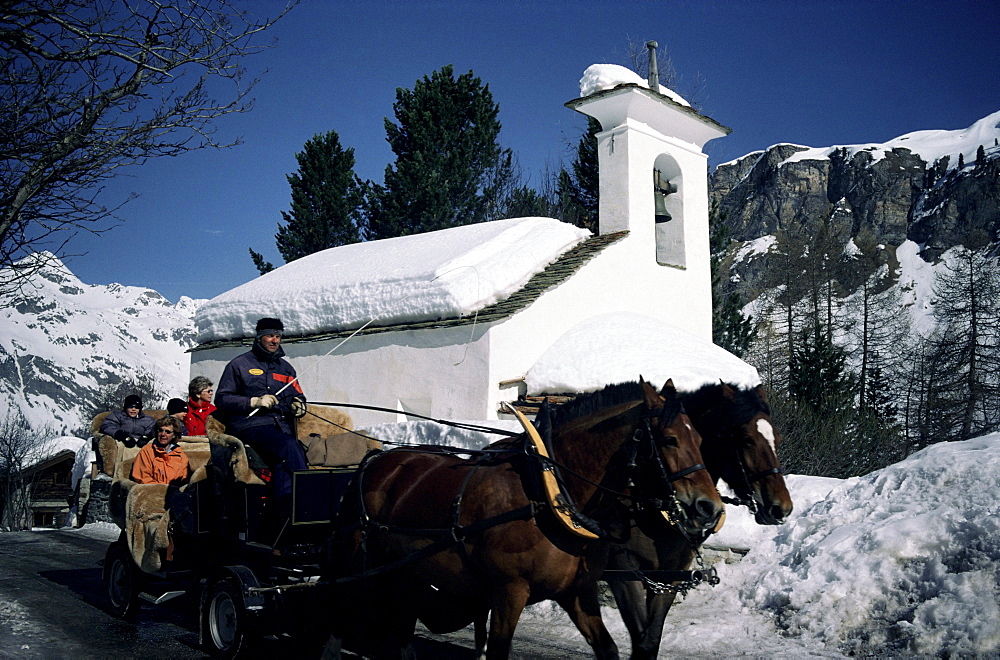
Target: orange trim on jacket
282 378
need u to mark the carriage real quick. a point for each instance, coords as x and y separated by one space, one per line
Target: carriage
214 538
417 533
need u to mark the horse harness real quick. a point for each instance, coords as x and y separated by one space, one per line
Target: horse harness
747 479
456 534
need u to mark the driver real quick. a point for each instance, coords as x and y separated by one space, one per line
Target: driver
258 395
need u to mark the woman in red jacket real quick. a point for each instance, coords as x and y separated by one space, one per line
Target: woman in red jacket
199 405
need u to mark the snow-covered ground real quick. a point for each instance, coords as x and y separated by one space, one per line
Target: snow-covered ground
903 561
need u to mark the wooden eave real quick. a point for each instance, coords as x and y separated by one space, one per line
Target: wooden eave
51 461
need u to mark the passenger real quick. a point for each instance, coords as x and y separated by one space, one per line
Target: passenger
162 461
258 396
177 408
200 405
129 425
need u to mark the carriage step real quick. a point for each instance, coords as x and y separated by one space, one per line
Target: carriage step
156 600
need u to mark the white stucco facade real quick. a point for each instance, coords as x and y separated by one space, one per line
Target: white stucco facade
643 131
658 270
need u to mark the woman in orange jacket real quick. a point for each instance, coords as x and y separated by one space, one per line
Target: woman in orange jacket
162 461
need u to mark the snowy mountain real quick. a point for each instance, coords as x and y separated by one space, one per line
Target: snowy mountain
918 196
64 340
932 187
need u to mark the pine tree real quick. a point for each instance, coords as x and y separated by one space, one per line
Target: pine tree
818 374
578 189
730 329
327 200
450 169
963 392
784 280
874 327
526 202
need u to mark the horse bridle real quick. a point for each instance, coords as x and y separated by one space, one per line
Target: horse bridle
671 508
749 480
643 434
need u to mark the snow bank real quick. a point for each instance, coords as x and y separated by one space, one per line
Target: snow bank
905 560
432 433
619 347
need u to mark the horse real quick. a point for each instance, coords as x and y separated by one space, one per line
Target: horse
448 539
739 445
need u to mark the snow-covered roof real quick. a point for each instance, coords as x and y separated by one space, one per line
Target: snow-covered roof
437 275
598 77
619 347
53 447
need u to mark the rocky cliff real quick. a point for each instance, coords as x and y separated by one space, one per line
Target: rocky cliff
937 188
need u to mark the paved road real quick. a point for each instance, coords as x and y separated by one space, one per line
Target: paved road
52 605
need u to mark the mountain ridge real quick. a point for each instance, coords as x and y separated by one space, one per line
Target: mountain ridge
937 188
64 340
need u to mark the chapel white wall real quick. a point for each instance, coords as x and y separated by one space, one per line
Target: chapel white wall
439 373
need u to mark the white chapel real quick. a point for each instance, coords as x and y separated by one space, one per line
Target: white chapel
460 361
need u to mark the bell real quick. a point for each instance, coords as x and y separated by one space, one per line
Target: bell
661 189
660 202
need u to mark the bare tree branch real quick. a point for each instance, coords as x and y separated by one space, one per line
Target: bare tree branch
88 87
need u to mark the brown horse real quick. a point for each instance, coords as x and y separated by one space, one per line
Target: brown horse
739 445
448 539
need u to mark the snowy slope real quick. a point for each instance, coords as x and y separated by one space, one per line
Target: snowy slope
63 340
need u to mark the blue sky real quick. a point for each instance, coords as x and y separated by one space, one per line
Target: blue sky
808 72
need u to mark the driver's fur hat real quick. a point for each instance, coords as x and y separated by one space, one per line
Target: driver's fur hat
269 327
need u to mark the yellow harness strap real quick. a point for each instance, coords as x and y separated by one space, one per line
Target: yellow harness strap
555 499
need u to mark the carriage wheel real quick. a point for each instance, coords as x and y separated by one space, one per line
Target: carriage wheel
225 619
121 581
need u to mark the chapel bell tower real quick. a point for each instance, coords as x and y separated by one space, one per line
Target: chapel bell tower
653 172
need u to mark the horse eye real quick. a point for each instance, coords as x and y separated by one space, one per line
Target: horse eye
749 441
670 441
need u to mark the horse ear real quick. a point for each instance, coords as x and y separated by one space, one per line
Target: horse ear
653 400
761 392
727 390
668 391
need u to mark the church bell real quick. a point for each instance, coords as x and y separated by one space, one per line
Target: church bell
661 189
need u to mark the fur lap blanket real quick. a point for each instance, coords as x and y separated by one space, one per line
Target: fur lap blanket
146 524
338 450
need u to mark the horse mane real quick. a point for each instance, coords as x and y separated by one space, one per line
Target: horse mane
744 406
612 395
